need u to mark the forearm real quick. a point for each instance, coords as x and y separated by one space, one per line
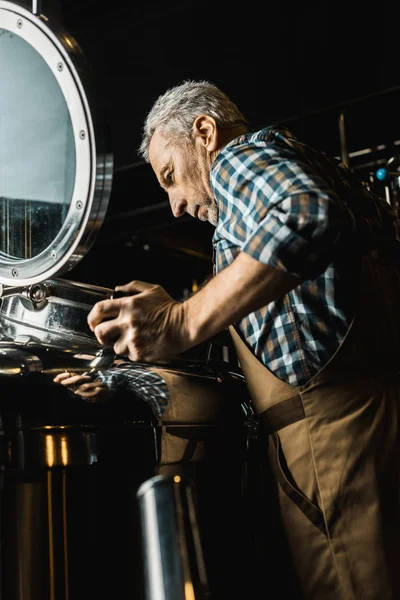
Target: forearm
241 288
146 324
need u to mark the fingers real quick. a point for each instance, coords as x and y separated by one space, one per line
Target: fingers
103 310
83 386
134 287
106 310
67 378
107 332
109 309
95 390
61 376
111 319
130 323
73 382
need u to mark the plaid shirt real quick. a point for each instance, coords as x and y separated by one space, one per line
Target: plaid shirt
140 381
300 211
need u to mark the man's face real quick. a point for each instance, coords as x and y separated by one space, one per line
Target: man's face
184 173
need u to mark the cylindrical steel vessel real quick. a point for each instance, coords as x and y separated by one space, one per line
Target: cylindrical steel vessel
71 471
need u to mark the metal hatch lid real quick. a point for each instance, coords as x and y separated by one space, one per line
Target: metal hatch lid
55 170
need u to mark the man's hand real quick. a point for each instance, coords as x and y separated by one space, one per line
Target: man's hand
146 324
84 386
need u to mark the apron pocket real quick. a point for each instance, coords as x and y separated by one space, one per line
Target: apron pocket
291 489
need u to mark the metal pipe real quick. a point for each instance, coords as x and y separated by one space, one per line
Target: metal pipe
174 568
343 141
36 7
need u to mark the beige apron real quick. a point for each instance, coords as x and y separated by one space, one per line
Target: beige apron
335 452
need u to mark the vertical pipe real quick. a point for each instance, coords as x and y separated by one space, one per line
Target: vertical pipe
36 7
173 561
343 140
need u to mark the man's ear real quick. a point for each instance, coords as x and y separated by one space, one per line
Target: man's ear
206 130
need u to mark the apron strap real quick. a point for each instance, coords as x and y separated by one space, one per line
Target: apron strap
280 415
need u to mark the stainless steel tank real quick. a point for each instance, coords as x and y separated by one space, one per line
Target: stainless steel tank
71 470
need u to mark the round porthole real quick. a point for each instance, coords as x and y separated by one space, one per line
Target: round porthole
54 180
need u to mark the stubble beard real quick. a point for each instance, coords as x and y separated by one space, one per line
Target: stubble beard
213 213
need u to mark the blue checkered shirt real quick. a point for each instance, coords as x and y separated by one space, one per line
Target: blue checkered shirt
140 381
300 211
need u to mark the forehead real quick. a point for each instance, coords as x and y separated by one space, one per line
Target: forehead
161 151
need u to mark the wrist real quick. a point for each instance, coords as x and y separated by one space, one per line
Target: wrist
199 322
188 324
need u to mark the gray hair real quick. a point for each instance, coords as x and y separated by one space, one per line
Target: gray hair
175 111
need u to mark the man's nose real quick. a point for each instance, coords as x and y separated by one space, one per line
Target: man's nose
178 207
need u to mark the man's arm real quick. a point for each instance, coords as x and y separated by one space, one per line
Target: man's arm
241 288
148 325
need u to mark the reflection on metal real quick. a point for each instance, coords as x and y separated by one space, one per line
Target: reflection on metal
174 567
103 359
36 7
65 531
52 525
392 181
57 451
53 313
49 445
53 446
36 293
343 140
15 361
51 534
53 516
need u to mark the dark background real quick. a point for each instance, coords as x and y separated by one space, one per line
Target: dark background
302 65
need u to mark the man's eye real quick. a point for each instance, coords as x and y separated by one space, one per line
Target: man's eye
169 177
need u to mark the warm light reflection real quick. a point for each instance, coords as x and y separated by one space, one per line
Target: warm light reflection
177 479
54 454
364 151
10 371
189 592
64 451
68 41
50 450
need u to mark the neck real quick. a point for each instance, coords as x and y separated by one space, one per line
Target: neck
226 136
